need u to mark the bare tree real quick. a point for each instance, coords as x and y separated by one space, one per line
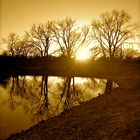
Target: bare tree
69 39
40 37
68 36
12 44
112 31
26 48
18 46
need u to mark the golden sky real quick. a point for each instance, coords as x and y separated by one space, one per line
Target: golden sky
18 15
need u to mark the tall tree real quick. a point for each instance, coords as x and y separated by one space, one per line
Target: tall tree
112 30
69 39
40 37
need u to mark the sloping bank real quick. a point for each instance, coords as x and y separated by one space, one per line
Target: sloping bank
114 117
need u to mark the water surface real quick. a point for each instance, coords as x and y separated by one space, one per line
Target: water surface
22 99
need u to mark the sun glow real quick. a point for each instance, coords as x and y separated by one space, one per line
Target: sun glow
83 54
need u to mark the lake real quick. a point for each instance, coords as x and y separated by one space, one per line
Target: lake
26 100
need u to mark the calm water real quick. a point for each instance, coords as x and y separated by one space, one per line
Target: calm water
23 104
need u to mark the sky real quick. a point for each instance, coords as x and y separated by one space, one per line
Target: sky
18 15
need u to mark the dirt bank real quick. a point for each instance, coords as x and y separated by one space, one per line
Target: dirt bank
104 118
113 117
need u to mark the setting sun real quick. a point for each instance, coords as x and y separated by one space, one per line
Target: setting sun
83 54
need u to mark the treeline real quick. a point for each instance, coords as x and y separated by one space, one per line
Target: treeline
33 59
110 37
15 61
21 65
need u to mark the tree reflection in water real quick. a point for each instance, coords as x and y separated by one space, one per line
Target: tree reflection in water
43 97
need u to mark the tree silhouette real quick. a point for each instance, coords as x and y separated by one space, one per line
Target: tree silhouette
70 40
40 37
68 37
19 46
111 32
12 44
